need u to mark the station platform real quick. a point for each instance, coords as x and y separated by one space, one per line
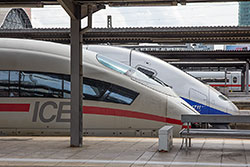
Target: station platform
120 151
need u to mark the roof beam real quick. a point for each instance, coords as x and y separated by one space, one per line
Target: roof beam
69 7
165 3
20 3
40 3
202 55
94 8
173 35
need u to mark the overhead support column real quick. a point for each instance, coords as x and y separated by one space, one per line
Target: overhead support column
74 11
76 80
243 79
89 14
247 76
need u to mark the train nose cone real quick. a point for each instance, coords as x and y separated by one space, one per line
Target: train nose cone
175 108
178 107
233 109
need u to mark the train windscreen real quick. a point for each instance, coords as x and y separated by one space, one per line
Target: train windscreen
121 68
126 70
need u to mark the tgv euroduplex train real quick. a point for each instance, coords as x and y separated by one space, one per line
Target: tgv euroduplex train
118 100
203 98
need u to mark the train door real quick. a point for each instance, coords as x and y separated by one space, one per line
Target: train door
235 82
229 83
199 101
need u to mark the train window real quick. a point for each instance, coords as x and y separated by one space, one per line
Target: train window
66 86
14 84
40 85
94 89
214 80
121 95
102 91
29 84
234 79
4 83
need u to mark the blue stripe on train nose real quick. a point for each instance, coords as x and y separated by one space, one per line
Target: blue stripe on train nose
203 109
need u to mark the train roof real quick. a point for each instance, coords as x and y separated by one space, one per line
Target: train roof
43 47
40 56
35 45
33 55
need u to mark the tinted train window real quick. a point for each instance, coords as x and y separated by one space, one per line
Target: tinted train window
14 84
121 95
66 86
94 89
214 80
102 91
40 85
9 81
4 83
29 84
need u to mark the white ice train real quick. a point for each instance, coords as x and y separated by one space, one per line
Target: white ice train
203 98
118 100
217 79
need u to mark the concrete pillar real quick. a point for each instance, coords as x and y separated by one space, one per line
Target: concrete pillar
76 80
247 77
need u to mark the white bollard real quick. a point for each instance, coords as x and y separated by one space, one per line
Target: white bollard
165 138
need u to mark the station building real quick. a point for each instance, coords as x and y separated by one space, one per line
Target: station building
16 18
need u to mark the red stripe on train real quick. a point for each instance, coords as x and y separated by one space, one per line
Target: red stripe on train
129 114
98 111
222 85
14 107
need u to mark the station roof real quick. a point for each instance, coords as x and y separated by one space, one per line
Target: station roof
169 35
172 35
238 65
215 55
40 3
99 35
